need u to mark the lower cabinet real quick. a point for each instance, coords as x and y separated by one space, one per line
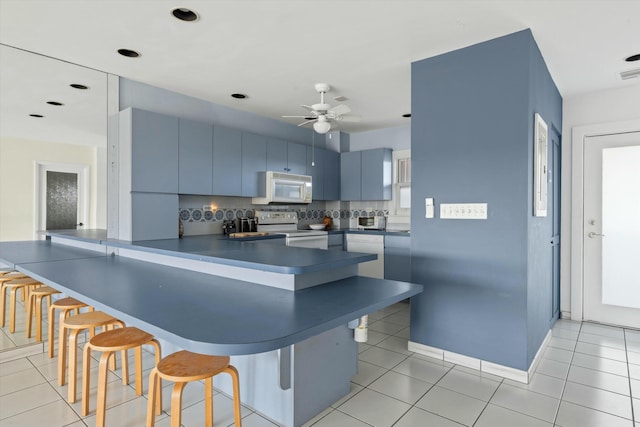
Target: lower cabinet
336 242
154 216
397 258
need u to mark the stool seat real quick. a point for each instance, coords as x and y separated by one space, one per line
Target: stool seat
88 320
35 299
108 343
65 305
183 367
187 366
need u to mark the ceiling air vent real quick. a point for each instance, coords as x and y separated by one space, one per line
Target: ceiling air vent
626 75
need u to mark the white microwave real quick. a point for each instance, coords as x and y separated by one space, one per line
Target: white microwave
278 187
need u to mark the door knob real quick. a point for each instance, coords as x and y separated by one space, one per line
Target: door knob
593 235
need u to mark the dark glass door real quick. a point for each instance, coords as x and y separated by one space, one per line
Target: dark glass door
62 200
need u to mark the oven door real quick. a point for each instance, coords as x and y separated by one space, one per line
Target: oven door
314 242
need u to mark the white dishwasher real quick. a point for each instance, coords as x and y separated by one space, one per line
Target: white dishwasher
368 244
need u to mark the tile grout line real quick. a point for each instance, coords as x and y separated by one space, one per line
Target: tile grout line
626 350
566 379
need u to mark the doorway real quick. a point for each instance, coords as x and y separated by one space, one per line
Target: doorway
611 230
62 199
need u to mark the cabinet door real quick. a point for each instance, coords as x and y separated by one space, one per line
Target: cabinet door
154 216
332 175
195 156
296 158
254 160
316 171
154 152
350 175
397 258
276 155
227 161
376 174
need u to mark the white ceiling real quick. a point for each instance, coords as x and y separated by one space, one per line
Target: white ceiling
275 51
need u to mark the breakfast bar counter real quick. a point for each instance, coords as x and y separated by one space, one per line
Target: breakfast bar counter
294 349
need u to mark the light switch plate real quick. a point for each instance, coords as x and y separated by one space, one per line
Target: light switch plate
429 209
463 210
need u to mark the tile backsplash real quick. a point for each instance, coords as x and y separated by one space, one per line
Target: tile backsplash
205 214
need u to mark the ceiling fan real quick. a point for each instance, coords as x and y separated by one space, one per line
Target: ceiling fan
322 114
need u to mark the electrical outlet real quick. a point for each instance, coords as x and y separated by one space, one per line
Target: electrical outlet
206 207
369 210
463 210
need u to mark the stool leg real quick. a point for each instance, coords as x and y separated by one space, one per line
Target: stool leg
30 305
156 344
12 310
39 318
138 369
73 361
62 354
50 326
125 367
3 296
208 402
102 388
86 378
176 404
151 403
231 370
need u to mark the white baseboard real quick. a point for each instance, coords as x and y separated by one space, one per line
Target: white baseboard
483 365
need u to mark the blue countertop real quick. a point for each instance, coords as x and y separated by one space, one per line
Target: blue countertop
201 312
375 232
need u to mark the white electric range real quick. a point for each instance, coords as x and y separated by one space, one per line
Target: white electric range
286 222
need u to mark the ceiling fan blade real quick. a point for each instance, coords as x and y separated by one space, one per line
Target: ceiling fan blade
309 108
348 118
296 117
307 122
339 110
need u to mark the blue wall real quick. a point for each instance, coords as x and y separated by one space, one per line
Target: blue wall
472 142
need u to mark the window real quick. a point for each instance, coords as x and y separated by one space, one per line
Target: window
402 181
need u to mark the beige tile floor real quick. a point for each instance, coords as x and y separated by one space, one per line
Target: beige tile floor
589 376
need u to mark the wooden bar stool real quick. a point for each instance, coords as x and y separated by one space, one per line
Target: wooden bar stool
108 343
76 324
183 367
13 285
66 306
35 300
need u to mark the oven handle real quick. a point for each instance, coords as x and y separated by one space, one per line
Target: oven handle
307 238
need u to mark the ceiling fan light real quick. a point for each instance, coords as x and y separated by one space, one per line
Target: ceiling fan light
322 127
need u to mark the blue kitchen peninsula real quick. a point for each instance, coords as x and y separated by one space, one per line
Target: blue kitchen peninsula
294 349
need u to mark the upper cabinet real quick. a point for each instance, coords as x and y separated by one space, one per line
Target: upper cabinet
254 160
350 175
153 140
195 156
377 178
315 169
331 175
284 156
366 175
227 161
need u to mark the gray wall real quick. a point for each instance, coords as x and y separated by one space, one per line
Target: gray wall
472 142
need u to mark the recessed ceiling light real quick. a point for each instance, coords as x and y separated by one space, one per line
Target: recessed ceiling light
185 14
406 115
128 53
36 115
633 58
56 103
79 86
239 96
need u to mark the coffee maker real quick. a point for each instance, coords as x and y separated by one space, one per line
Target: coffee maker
228 226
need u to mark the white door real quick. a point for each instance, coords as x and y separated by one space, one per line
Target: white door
611 229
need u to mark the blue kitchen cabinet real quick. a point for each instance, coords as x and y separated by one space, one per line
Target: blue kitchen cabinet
154 150
154 216
316 171
336 242
350 175
332 173
397 258
376 174
296 158
227 161
277 155
254 160
195 158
